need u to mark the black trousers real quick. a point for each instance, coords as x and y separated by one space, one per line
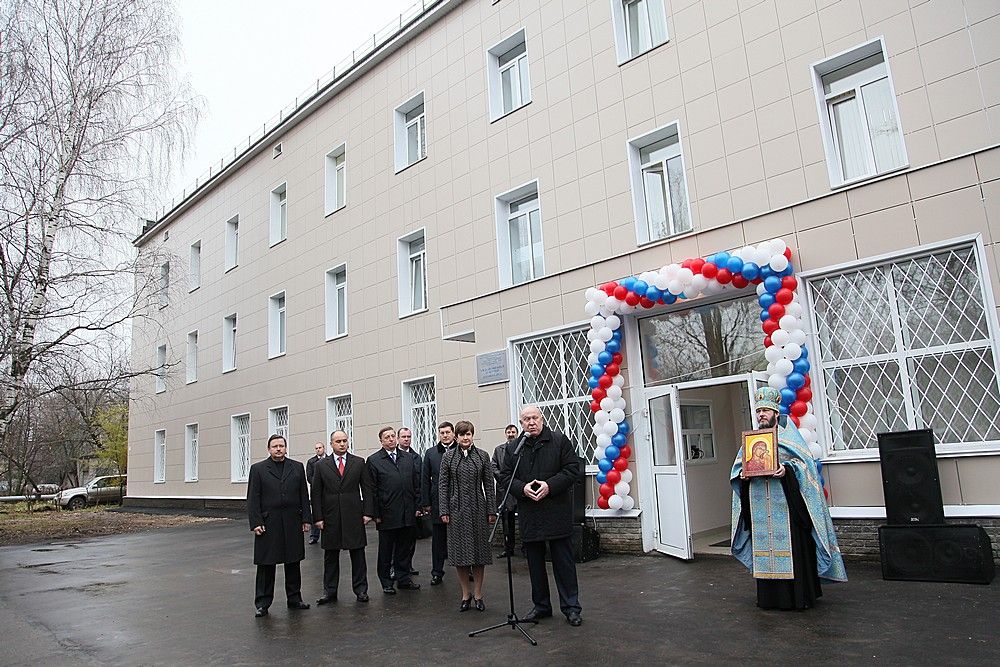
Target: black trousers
395 552
412 542
439 548
564 570
331 571
264 593
507 520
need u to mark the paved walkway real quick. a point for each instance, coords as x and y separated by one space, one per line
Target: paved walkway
183 596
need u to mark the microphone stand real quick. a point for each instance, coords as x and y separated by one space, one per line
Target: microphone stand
512 620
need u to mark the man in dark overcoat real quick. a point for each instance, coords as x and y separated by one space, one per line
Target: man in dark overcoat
543 485
404 440
397 491
343 502
278 510
429 499
320 450
508 510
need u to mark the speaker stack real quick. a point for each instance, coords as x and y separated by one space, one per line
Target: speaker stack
586 540
917 545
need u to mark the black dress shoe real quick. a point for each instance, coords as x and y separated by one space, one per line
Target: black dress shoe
260 612
504 554
298 605
436 580
414 573
574 619
326 599
466 605
479 604
363 597
313 540
388 590
535 615
409 586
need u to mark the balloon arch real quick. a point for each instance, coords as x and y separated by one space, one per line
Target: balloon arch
767 265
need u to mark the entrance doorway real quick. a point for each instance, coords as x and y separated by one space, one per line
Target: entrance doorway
692 434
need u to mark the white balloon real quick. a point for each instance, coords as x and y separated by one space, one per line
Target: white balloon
605 334
779 263
612 305
614 392
699 283
675 287
600 297
685 275
809 421
617 415
788 322
792 351
763 257
597 346
618 403
627 475
591 293
815 450
607 404
591 334
661 281
775 381
715 287
596 322
615 502
591 308
647 277
778 245
798 336
628 502
794 308
603 440
760 289
610 428
618 381
599 453
783 367
670 271
622 488
613 322
600 417
773 353
746 253
780 337
806 434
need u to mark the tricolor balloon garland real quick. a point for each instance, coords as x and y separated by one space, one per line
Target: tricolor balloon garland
769 266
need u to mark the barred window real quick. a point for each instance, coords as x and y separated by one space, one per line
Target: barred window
191 453
160 456
239 455
420 409
905 345
339 417
277 422
551 373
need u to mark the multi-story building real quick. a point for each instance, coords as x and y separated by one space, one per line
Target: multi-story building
413 244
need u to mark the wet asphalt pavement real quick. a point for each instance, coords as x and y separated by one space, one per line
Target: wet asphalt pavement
184 596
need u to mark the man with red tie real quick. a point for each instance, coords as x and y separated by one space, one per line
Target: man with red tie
343 501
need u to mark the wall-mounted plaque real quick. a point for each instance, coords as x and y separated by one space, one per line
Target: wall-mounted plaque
491 367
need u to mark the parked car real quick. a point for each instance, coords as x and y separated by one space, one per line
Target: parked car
107 489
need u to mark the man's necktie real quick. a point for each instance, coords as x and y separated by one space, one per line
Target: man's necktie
340 465
393 457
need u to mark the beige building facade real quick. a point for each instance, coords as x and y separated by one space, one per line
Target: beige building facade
414 244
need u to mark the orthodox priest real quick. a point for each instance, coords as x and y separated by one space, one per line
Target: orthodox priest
782 531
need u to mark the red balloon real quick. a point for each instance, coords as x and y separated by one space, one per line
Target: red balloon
795 420
724 276
788 252
617 358
646 303
687 264
798 408
621 292
697 264
607 489
598 394
632 299
613 476
625 453
776 310
709 270
769 326
804 394
609 288
767 341
808 380
612 369
621 463
594 406
784 296
605 381
602 502
789 282
739 281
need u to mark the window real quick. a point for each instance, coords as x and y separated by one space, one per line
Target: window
659 186
858 114
336 302
191 453
507 67
279 214
639 26
410 132
276 325
160 456
907 344
276 151
232 242
420 413
277 422
191 367
551 372
229 343
412 266
336 179
696 430
519 235
161 369
339 417
194 267
164 291
239 448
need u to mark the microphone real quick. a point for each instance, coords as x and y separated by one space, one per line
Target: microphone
520 442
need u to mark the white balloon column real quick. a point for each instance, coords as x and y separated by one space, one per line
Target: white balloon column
769 266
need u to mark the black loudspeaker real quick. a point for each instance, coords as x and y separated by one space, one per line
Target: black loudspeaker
956 553
579 491
586 543
910 481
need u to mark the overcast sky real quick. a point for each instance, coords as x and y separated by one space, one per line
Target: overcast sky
250 58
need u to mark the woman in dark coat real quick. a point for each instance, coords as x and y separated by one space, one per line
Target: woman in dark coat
467 499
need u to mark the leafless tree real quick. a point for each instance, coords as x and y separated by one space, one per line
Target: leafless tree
92 117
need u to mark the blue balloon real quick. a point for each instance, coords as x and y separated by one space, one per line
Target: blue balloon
801 365
613 346
789 270
640 287
766 271
734 264
805 352
616 334
795 380
592 382
602 477
772 284
668 298
764 316
605 465
597 370
623 428
819 466
783 409
653 293
611 452
787 396
618 440
605 358
750 271
628 283
765 300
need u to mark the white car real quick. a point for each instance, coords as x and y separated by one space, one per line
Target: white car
107 489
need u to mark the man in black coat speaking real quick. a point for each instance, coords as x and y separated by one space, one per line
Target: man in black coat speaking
543 480
278 509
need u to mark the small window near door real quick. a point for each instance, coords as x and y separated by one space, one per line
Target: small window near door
696 431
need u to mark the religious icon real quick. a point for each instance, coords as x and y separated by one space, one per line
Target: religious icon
760 452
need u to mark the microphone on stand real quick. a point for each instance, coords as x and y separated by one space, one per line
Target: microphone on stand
520 442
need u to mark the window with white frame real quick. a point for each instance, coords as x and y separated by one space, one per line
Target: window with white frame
340 417
159 456
420 413
696 430
194 267
239 447
908 344
410 132
551 372
519 235
191 453
639 26
336 302
335 177
161 368
277 422
232 242
659 185
276 325
279 214
507 71
163 292
229 343
858 114
191 365
411 256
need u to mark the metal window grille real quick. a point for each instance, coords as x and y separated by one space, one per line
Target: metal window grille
906 345
241 448
279 422
191 461
343 418
423 415
160 456
552 374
